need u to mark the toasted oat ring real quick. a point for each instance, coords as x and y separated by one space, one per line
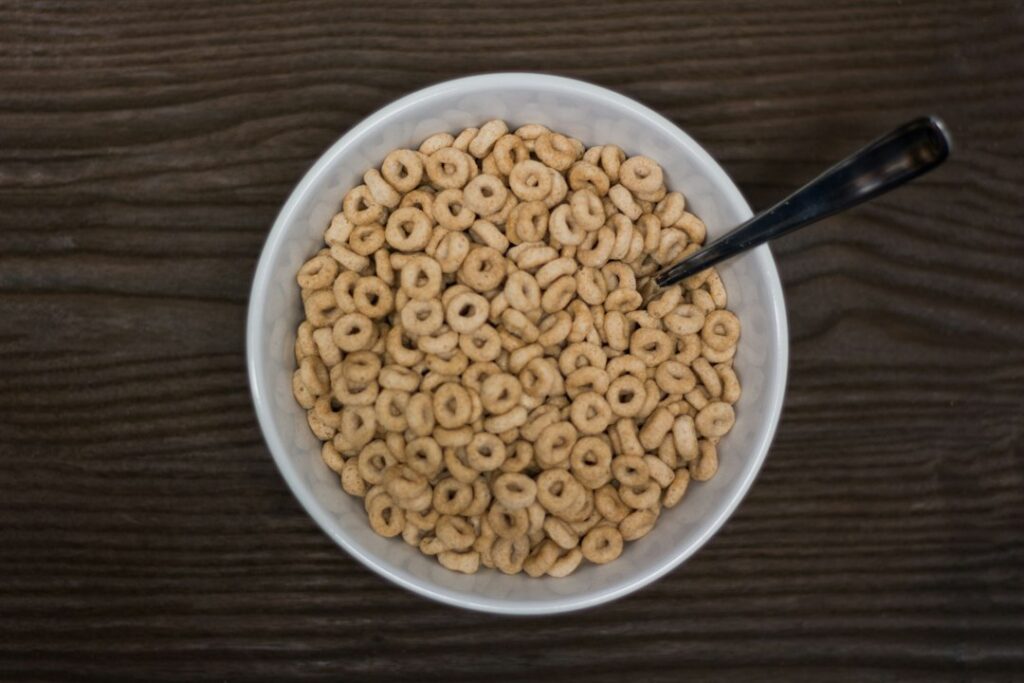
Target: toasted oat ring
721 330
626 396
554 328
507 523
404 484
537 378
586 176
455 532
508 151
637 524
624 201
449 168
587 378
386 518
630 470
482 344
451 212
318 272
674 377
360 207
358 425
422 318
554 444
641 174
466 312
451 496
581 354
374 458
500 393
483 269
522 291
693 227
602 544
715 419
509 554
596 248
419 199
542 559
372 297
590 461
563 228
514 491
641 497
321 308
670 209
612 157
403 170
530 180
527 222
390 409
408 229
555 150
484 194
353 332
485 452
651 346
684 319
587 211
590 413
558 490
452 405
421 278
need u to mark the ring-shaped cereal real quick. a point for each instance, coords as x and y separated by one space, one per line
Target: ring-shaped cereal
656 427
489 235
404 484
514 491
612 157
408 229
624 300
482 344
374 458
451 212
508 151
496 424
353 332
554 328
421 278
558 490
555 150
507 523
449 168
630 470
715 419
670 209
587 176
533 255
650 230
558 295
390 409
608 503
666 302
500 393
563 228
581 354
616 330
484 194
602 544
484 140
462 140
587 378
675 377
586 210
522 291
530 180
443 341
596 249
652 346
641 174
485 452
591 286
483 269
452 405
537 378
509 554
708 377
358 426
582 318
527 222
721 330
623 200
517 324
590 413
637 524
381 191
641 497
360 208
318 272
626 396
403 170
672 247
554 444
321 308
419 199
386 518
451 496
466 312
455 532
693 227
422 318
590 461
372 297
435 142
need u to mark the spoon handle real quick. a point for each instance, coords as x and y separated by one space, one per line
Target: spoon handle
902 155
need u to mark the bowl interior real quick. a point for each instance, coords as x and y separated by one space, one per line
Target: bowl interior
594 115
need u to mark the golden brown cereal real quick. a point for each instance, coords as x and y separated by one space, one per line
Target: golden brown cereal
479 360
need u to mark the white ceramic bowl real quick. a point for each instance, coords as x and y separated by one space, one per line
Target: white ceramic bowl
596 116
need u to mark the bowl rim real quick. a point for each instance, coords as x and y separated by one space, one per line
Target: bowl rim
262 280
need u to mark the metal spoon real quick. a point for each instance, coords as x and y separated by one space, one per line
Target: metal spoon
907 152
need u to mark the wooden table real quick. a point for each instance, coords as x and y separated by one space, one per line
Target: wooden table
145 148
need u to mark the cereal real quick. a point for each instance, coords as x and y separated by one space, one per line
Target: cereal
478 359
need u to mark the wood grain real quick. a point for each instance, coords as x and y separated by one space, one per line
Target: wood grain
145 148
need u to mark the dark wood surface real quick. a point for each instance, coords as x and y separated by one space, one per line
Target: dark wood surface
145 148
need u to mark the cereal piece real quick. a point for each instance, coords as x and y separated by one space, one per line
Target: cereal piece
530 180
465 563
448 168
715 419
602 544
641 174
